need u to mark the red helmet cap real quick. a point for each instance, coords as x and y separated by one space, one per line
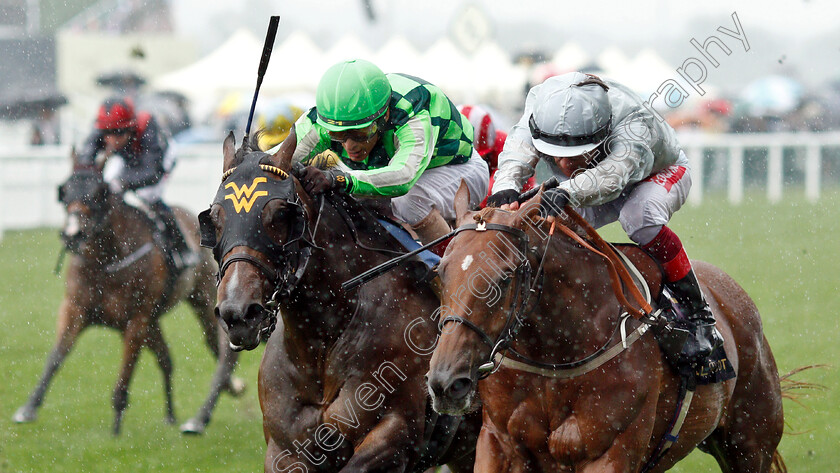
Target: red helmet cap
116 114
483 127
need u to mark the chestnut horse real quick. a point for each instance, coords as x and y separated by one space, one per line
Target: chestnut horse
589 418
341 381
118 277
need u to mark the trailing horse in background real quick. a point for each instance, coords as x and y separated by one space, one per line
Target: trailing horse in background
579 385
341 381
118 277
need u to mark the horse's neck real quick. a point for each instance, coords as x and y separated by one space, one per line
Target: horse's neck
120 235
577 310
320 310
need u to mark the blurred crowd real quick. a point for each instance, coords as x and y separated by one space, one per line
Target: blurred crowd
768 105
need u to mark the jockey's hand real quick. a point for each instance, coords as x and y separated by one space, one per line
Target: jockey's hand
115 186
553 201
501 198
316 181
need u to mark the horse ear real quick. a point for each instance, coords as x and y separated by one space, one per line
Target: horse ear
74 157
229 151
462 203
283 157
529 216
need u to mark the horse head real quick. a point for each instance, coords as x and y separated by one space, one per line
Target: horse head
487 275
258 228
86 198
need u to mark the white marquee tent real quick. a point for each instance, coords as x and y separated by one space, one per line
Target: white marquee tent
486 76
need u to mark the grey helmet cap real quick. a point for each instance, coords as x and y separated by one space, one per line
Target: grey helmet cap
570 118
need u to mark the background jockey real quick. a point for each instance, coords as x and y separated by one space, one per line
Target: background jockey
135 148
276 121
394 136
489 141
616 161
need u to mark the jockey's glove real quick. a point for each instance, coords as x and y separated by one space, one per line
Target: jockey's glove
316 181
115 186
507 196
553 201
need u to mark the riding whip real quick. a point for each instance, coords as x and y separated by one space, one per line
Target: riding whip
383 268
266 55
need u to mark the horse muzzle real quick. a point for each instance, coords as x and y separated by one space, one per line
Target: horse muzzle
451 394
244 323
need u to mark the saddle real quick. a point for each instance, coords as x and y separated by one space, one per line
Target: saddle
167 235
671 331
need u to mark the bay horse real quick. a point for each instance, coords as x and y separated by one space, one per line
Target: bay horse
550 405
341 380
118 277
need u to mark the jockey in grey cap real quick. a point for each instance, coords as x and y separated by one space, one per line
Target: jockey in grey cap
615 161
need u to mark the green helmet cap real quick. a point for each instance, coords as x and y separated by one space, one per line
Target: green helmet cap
352 94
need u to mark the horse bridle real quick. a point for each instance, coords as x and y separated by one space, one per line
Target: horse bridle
289 260
526 287
516 314
99 209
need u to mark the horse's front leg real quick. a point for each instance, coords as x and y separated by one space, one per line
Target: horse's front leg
133 341
223 379
626 454
70 324
385 448
495 455
158 345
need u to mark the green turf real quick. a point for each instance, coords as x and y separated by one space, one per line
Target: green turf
72 432
784 255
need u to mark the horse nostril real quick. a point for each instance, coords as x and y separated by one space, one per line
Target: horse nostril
435 385
459 388
254 311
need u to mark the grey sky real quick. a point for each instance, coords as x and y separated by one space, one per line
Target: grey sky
794 37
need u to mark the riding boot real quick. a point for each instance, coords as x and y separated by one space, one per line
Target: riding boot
680 280
432 227
703 336
181 254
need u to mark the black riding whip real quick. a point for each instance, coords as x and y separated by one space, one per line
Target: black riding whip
266 55
383 268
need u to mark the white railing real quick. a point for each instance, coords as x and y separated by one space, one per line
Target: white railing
29 176
734 147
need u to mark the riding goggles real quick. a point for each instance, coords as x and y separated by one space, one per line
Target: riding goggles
562 139
358 135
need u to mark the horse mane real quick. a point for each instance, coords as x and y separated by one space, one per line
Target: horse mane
366 218
487 213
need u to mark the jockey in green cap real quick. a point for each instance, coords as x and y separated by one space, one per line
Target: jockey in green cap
388 135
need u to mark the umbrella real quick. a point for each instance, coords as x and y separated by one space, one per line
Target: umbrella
771 96
122 80
29 105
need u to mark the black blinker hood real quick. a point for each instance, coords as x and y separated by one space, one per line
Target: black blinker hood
243 194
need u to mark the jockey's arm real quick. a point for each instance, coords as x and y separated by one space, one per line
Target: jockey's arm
93 145
148 168
414 145
628 162
518 158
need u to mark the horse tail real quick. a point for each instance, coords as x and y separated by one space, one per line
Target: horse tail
778 463
789 386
